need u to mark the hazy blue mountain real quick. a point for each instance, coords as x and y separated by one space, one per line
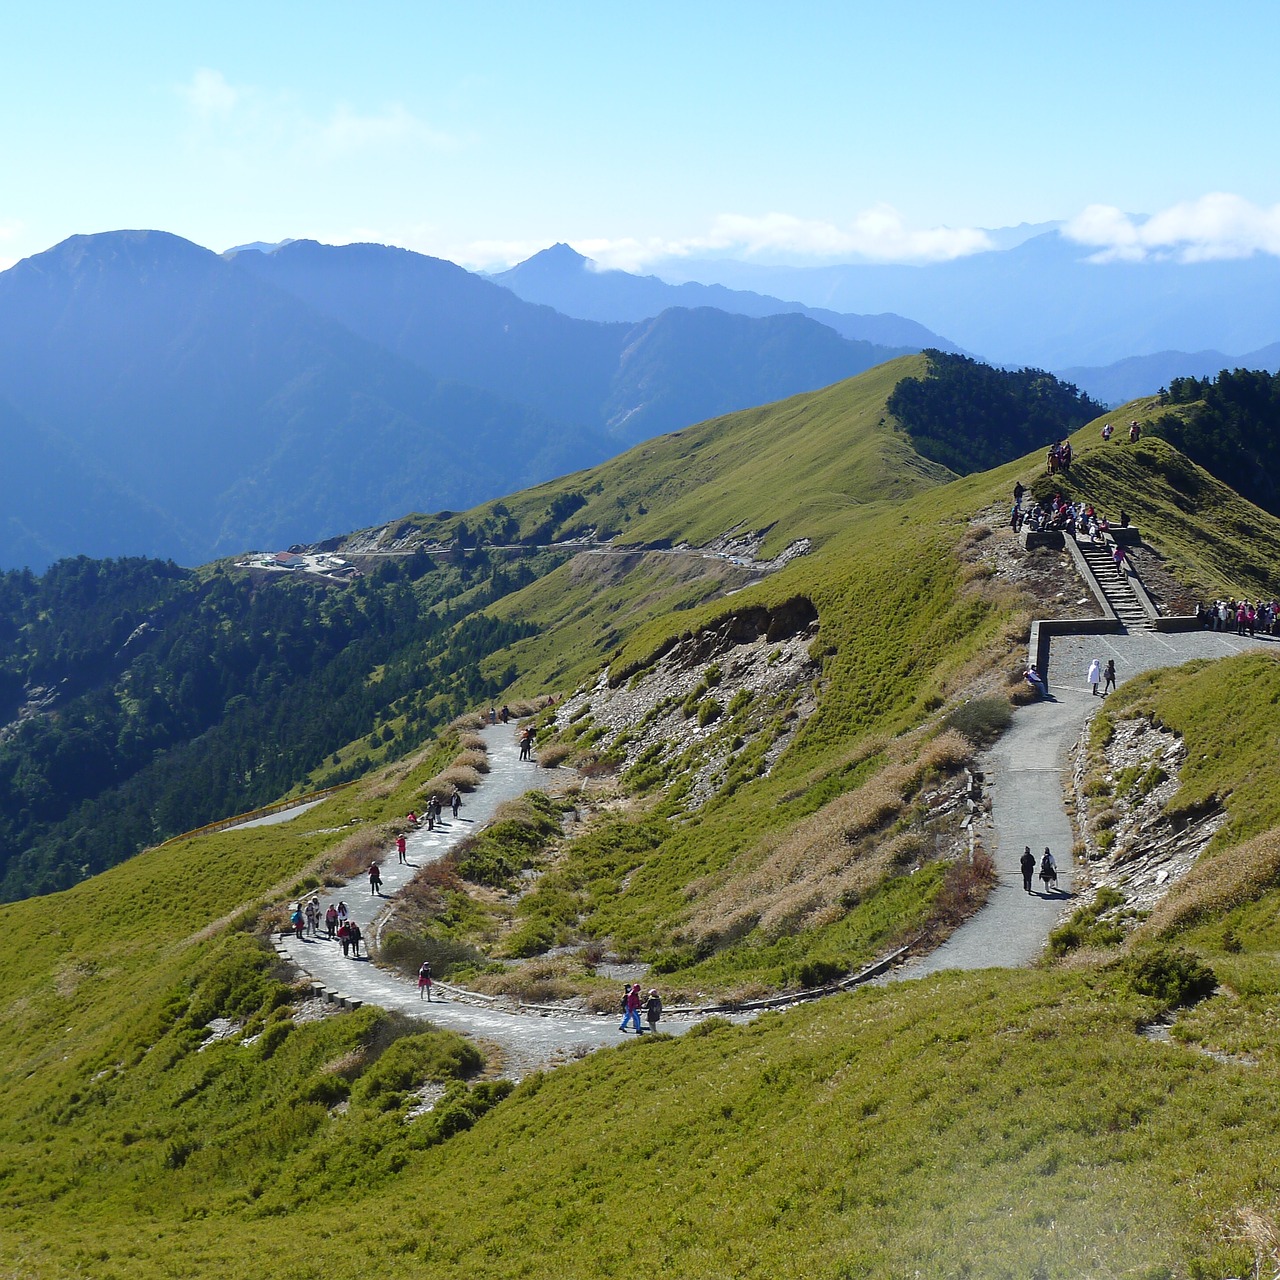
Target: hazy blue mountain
562 278
631 380
1144 375
450 322
189 409
1041 302
57 503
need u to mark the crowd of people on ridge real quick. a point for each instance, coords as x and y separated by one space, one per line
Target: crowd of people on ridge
1244 617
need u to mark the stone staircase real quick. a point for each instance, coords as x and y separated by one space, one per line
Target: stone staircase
1115 586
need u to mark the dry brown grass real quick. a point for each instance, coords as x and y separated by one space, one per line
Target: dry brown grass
471 759
464 777
812 873
471 720
528 707
471 742
1260 1233
351 855
554 754
1216 885
966 886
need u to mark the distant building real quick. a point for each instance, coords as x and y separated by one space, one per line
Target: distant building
288 560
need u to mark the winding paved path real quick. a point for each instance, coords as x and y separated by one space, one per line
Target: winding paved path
527 1039
1024 774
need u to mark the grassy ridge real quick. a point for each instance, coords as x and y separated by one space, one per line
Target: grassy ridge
982 1124
796 468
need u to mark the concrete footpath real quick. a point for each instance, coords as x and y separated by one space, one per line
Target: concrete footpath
1025 775
527 1039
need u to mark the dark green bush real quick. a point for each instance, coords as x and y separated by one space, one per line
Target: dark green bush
1172 975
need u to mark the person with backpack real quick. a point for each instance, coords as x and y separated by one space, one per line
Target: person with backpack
331 921
456 803
424 980
402 843
375 879
1109 677
1049 872
353 936
298 921
344 937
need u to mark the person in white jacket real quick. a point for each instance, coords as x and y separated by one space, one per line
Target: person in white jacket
1095 674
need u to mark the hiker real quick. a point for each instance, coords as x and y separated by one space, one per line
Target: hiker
344 936
401 844
353 936
631 1008
1018 491
424 980
1036 681
1109 674
493 716
1107 432
312 914
505 714
526 743
331 921
1135 432
653 1010
413 818
342 912
1028 864
296 919
1049 872
1095 674
456 803
375 879
1120 560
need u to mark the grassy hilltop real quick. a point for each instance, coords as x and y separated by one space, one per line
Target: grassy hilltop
983 1124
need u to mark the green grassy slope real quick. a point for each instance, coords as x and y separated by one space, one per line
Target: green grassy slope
797 468
980 1125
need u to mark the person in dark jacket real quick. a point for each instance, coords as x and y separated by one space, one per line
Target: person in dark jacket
1028 863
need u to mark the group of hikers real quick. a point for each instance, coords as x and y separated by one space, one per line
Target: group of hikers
1048 870
526 743
632 999
1244 617
1076 518
1059 458
306 916
1135 431
435 809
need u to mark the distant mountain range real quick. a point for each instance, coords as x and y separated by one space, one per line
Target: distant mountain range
1144 375
563 278
158 398
1040 302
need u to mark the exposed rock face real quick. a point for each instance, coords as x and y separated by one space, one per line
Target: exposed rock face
1121 794
714 693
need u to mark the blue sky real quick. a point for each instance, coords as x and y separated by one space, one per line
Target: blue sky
803 132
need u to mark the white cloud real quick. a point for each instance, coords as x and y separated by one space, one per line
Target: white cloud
346 131
1214 227
208 94
876 235
244 119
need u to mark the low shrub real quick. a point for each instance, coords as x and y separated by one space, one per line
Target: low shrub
553 755
820 973
1172 976
982 720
